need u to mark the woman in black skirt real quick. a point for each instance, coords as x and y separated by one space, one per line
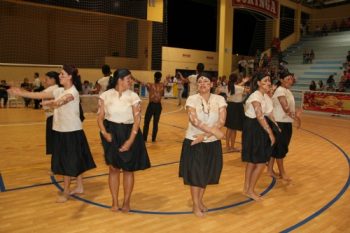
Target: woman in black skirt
257 135
235 110
201 155
52 82
71 154
284 113
124 148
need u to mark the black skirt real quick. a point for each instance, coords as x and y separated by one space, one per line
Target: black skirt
71 153
256 144
235 116
201 164
136 158
280 148
49 135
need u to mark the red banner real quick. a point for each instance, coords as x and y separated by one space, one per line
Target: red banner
268 7
327 102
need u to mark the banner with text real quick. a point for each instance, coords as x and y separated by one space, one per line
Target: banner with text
268 7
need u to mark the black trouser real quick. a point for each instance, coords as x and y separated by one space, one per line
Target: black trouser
37 101
153 109
3 95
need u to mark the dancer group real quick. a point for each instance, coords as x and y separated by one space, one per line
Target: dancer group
265 119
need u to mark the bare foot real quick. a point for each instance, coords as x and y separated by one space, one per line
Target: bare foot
253 196
62 198
76 191
203 208
286 178
198 212
125 208
274 174
115 209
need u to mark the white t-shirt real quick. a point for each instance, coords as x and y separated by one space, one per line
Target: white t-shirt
208 113
103 82
192 83
119 109
37 83
66 118
264 100
237 97
48 110
279 114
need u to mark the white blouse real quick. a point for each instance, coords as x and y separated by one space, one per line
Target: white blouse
237 97
280 115
119 109
66 118
192 83
103 83
264 100
48 110
208 113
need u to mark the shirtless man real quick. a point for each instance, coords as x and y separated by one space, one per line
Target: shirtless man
154 108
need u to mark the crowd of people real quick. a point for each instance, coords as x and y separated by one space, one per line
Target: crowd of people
265 122
331 84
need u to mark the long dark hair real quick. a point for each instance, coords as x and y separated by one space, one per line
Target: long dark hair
284 74
54 75
118 74
73 71
257 77
231 83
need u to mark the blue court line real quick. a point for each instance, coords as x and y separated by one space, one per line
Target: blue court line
50 183
336 198
2 184
272 184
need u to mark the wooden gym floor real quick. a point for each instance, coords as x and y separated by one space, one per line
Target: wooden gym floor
316 201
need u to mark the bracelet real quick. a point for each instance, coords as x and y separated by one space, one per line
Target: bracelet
134 132
103 132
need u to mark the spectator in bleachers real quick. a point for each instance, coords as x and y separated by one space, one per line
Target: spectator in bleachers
342 82
312 86
3 93
318 31
320 85
331 83
305 56
342 26
334 27
324 30
311 56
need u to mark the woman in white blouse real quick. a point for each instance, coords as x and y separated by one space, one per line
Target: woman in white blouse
52 82
235 110
71 154
284 113
257 135
201 156
119 120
